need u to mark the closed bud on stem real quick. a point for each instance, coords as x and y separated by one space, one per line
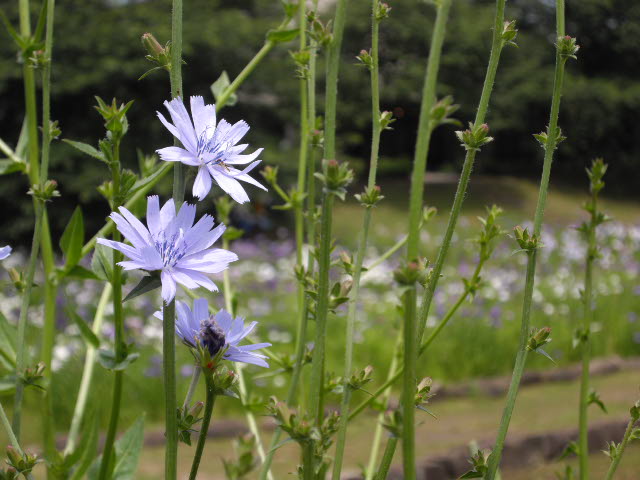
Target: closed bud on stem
46 192
412 272
596 174
335 177
479 463
423 391
38 59
22 463
474 137
386 119
156 53
441 113
527 241
382 11
370 197
17 279
539 338
635 411
567 47
361 378
365 59
318 31
509 33
115 117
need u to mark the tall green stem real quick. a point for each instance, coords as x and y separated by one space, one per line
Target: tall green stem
620 450
22 320
176 90
387 458
415 212
87 373
521 357
204 425
118 322
587 297
169 375
362 245
331 94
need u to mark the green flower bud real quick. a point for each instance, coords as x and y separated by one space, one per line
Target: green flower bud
567 47
474 137
365 59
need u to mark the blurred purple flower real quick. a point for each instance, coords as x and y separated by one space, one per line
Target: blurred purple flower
5 252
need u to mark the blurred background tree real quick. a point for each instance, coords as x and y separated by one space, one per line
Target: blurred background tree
98 52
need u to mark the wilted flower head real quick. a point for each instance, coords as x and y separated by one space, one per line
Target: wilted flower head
216 332
5 252
210 147
172 245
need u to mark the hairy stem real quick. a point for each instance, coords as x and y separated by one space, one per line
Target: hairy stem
204 426
550 146
620 451
13 439
169 375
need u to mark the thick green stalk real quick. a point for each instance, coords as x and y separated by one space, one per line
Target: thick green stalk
21 345
176 90
521 357
118 322
308 462
583 431
169 375
621 448
12 437
204 425
316 404
387 458
415 212
87 373
331 94
362 246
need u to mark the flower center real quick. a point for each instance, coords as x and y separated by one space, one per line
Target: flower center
171 248
212 336
213 148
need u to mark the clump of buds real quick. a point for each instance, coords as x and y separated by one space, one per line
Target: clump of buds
382 11
423 392
538 339
365 59
360 378
411 272
31 375
480 464
441 113
474 137
187 418
527 241
543 138
370 196
156 53
386 119
46 192
567 47
318 31
335 177
23 463
115 119
509 33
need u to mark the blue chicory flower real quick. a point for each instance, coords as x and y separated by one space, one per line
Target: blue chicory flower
215 332
172 245
210 147
5 252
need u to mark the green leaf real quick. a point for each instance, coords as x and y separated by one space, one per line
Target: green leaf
85 331
149 180
86 452
147 284
282 36
7 343
72 239
220 85
102 262
12 31
8 166
127 453
107 358
87 149
79 272
472 474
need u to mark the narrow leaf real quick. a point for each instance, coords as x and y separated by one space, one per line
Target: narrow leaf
85 331
72 239
282 36
87 149
102 262
147 284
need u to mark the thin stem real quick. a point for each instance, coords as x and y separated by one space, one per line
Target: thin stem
204 425
87 373
22 321
415 212
550 146
316 406
331 94
387 458
195 378
169 374
583 435
176 90
620 450
362 246
118 321
396 246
